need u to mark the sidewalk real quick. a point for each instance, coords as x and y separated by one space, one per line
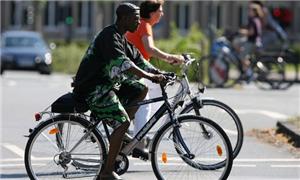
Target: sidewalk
291 130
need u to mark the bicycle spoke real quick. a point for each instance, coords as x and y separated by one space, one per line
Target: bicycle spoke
210 158
85 160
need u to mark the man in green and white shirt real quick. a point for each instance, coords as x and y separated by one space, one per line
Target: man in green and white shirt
108 69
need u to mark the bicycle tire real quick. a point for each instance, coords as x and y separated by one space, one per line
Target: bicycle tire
198 167
224 116
270 74
290 60
287 65
45 157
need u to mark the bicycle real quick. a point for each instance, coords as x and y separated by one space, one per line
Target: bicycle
79 149
213 109
225 68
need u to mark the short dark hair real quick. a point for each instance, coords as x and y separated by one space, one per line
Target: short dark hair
126 8
148 7
261 4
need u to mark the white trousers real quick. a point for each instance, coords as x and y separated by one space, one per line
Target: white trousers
144 112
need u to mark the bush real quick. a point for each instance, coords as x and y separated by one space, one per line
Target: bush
67 57
194 42
296 48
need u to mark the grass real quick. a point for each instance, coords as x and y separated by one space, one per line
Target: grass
295 121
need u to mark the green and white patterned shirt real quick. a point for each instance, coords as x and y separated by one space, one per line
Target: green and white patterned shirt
105 61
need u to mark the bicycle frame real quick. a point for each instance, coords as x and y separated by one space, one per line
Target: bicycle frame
187 90
165 107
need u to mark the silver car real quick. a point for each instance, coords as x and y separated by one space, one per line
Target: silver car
25 50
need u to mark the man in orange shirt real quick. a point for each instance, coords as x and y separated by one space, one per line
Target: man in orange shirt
151 13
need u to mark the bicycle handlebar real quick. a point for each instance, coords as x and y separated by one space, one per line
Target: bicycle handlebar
188 59
170 78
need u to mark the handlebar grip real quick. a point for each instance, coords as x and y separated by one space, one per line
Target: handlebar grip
186 56
170 76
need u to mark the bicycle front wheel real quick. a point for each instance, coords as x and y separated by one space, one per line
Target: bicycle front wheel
210 153
62 147
224 116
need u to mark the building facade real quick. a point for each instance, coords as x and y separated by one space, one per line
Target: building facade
82 19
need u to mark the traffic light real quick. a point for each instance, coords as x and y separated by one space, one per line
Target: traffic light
284 16
69 20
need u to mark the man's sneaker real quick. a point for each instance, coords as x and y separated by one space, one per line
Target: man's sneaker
140 153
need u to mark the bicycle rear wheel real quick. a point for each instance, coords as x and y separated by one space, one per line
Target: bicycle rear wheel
49 154
224 116
270 73
211 156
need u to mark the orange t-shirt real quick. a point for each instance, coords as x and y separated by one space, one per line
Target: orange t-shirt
144 29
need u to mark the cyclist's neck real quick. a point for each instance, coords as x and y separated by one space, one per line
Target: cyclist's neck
120 28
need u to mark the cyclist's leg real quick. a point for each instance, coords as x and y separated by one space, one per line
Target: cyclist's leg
131 92
110 107
114 149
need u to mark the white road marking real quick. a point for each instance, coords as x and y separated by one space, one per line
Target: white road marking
11 160
17 165
266 160
241 159
271 114
244 165
260 160
230 132
285 166
12 83
13 148
178 164
172 162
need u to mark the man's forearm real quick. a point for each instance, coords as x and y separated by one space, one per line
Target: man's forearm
139 72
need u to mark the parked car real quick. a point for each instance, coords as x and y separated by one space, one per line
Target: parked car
25 50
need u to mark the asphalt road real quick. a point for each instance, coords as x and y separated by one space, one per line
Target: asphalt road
24 93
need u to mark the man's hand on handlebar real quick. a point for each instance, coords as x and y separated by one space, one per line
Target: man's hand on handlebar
157 78
176 59
163 78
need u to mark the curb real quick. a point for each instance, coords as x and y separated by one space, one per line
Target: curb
289 130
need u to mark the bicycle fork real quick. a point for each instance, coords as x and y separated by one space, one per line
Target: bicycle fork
197 105
178 138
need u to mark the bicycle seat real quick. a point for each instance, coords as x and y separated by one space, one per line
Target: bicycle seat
68 103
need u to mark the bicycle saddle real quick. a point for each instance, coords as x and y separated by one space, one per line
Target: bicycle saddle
68 103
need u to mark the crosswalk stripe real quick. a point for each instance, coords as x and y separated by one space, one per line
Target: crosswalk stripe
271 114
285 166
13 148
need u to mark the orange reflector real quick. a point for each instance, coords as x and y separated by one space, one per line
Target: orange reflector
219 150
54 131
164 157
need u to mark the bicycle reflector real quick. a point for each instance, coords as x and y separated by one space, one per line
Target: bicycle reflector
54 131
37 116
164 157
219 150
